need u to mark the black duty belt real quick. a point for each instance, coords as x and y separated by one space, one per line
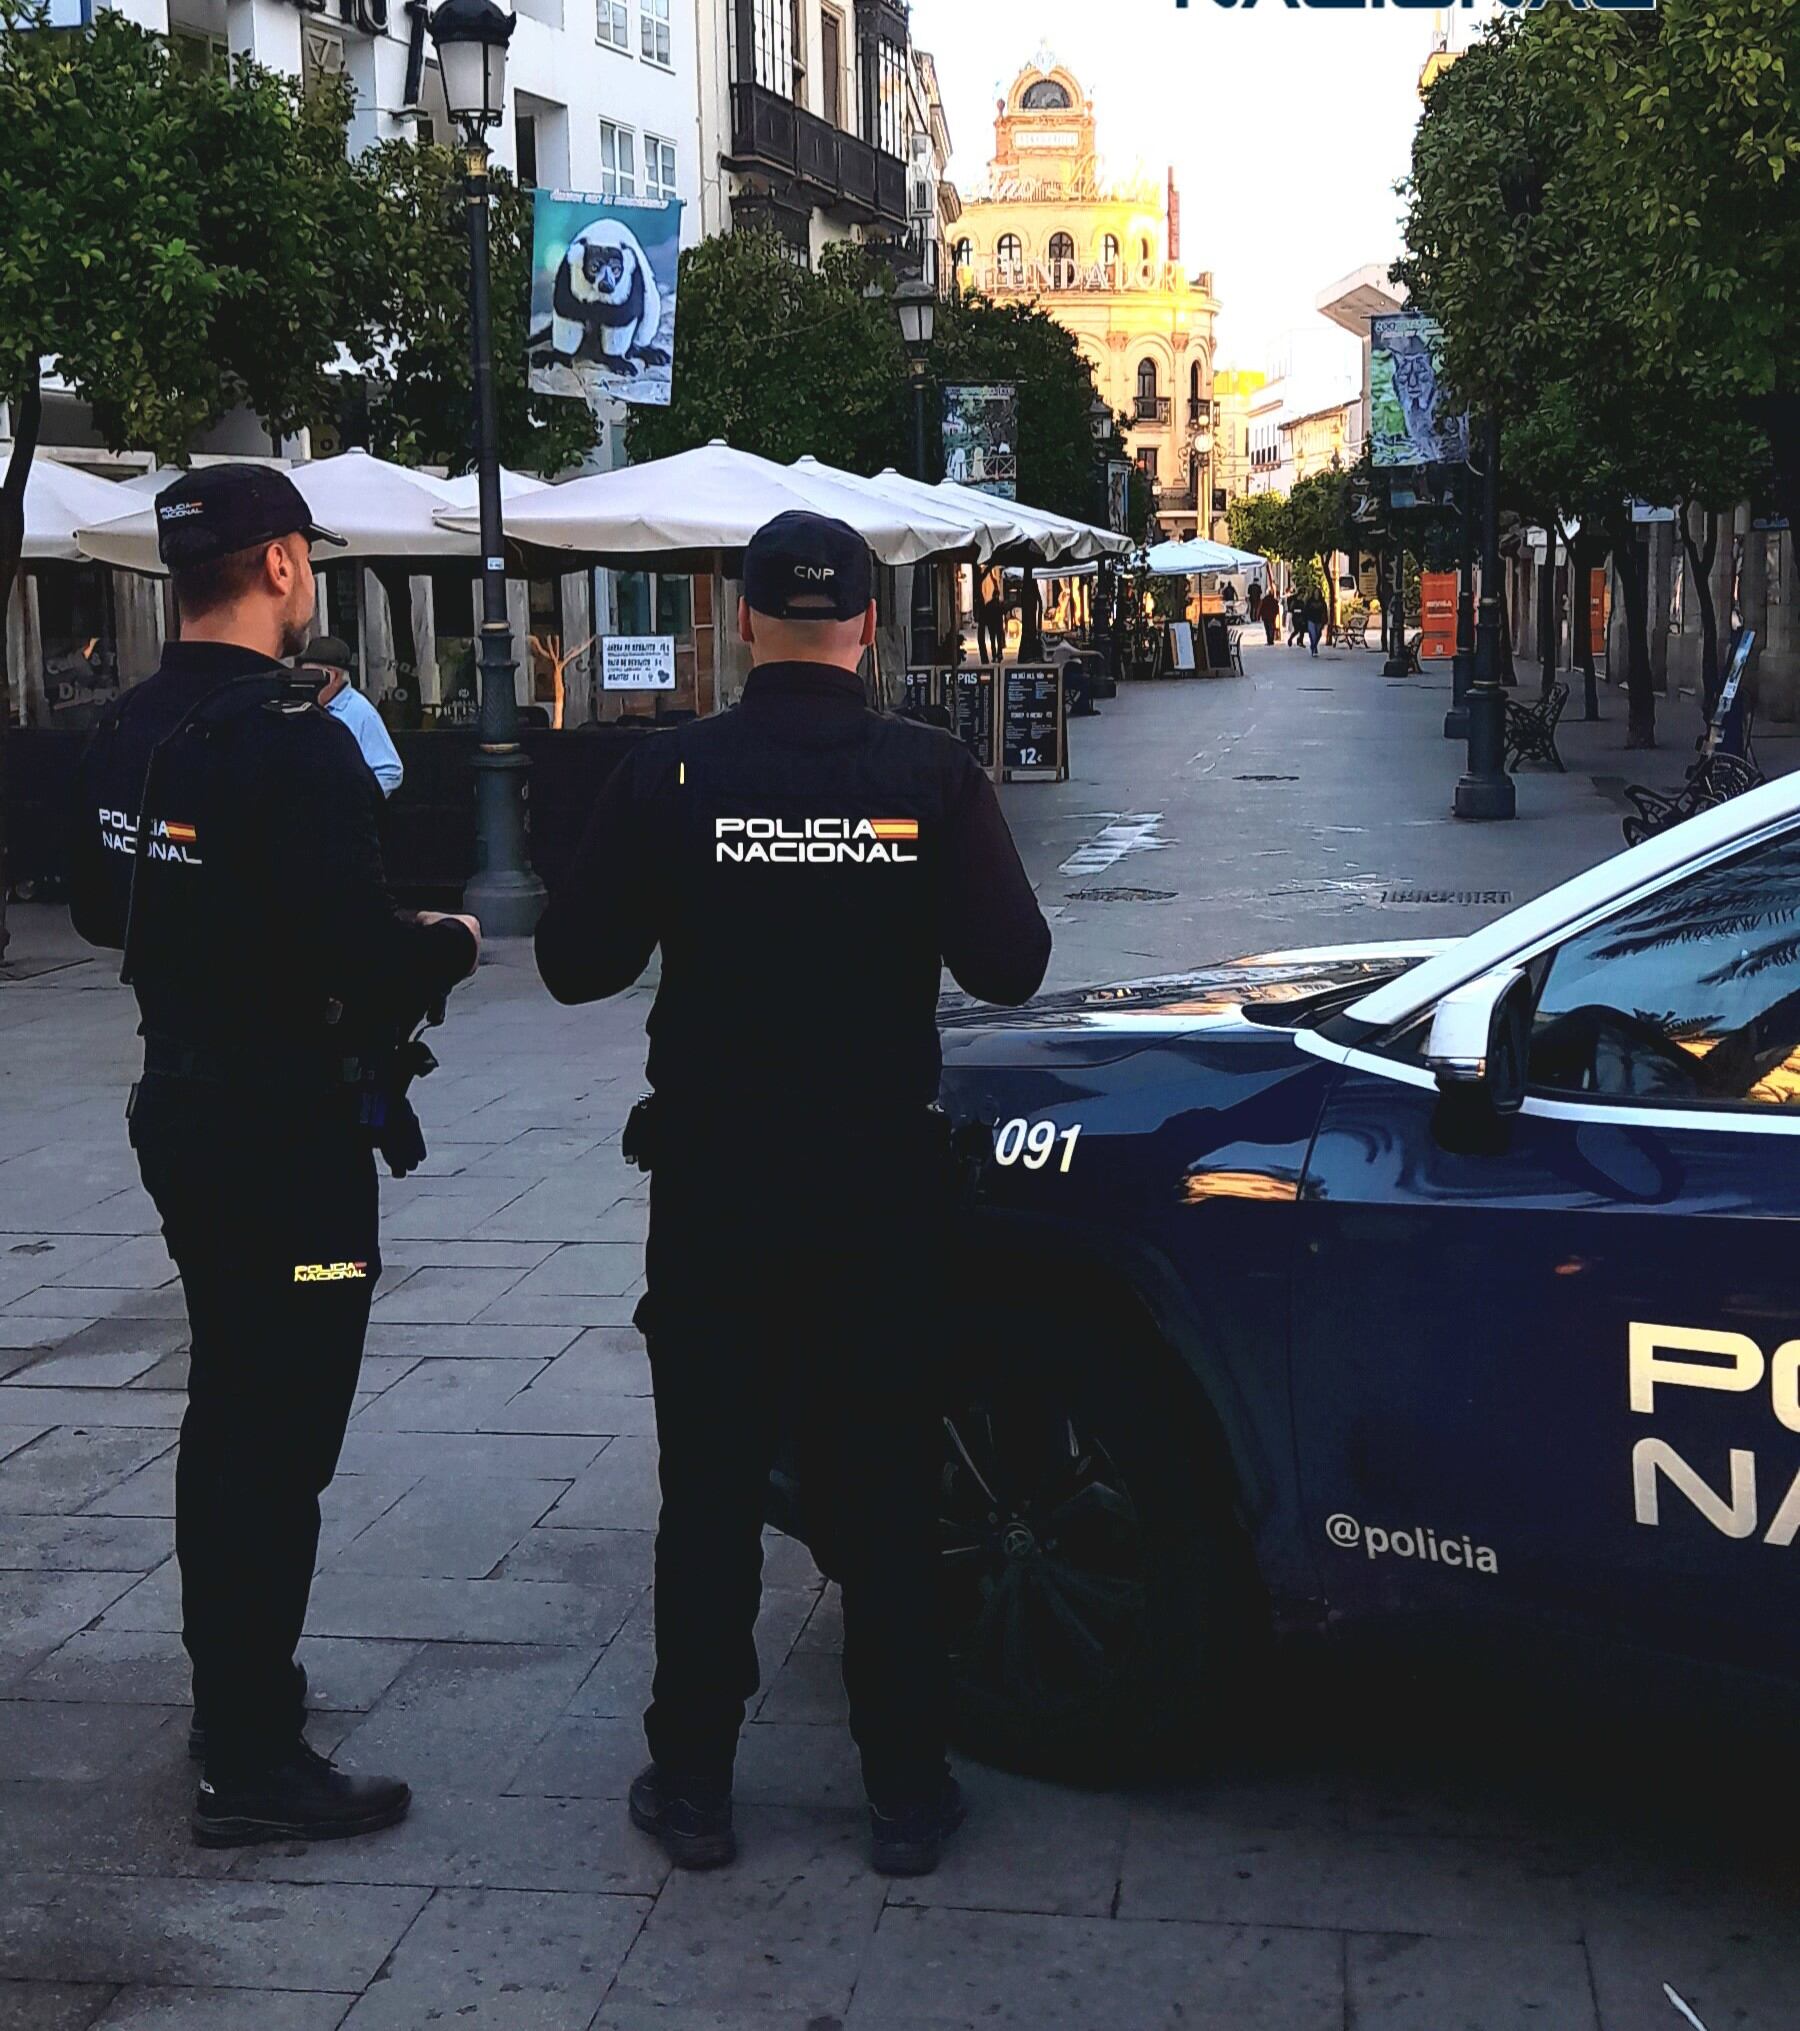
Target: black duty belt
265 1068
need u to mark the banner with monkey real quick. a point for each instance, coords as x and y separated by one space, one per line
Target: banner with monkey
603 276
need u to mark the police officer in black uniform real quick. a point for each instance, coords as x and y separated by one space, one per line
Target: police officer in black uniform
808 867
225 837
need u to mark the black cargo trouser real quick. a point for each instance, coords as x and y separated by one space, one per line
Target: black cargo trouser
271 1218
794 1307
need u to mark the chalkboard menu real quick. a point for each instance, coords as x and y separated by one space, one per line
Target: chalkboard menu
1035 748
971 703
921 692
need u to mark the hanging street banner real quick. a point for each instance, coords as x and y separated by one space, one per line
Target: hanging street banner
1410 422
603 274
981 438
1118 496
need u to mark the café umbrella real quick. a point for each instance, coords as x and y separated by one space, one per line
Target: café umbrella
691 510
380 509
59 500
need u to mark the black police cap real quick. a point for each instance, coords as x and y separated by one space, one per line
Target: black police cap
216 510
803 567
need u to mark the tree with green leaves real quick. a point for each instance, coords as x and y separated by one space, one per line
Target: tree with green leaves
1601 218
417 389
174 246
782 360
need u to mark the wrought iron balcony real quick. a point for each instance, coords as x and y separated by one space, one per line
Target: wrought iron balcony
838 171
1151 409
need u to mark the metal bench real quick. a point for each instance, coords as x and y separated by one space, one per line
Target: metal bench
1714 779
1531 729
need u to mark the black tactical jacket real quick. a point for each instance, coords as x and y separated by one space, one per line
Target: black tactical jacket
260 897
808 867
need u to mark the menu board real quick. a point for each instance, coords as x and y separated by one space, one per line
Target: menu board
921 692
971 703
1035 747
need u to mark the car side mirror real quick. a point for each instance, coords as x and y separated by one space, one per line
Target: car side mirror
1478 1048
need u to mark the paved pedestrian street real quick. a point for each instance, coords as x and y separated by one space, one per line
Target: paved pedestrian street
1394 1844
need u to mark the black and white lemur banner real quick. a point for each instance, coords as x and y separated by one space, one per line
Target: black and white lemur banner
603 297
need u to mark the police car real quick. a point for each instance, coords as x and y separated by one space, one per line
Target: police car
1385 1282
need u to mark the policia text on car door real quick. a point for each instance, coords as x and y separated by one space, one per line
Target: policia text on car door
808 868
226 837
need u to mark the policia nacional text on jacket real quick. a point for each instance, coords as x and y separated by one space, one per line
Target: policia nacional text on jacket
226 837
808 868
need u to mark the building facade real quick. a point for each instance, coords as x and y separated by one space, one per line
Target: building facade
1101 254
806 117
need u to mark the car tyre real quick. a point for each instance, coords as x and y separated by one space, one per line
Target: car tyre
1100 1600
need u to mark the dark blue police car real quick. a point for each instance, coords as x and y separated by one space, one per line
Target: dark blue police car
1388 1281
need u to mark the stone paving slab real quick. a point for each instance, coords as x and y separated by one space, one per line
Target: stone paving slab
504 1960
967 1970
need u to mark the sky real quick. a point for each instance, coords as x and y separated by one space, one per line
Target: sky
1287 129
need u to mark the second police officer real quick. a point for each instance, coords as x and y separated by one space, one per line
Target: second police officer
808 868
226 837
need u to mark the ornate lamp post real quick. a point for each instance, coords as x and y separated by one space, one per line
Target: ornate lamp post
915 304
471 38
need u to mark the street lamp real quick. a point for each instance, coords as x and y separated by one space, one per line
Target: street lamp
471 38
915 304
1487 791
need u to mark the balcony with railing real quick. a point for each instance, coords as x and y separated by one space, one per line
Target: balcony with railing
839 171
1151 409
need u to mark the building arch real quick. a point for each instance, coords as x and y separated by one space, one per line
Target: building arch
1149 379
1109 248
1009 251
1062 248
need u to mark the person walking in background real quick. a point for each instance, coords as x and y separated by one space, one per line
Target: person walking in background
1314 615
1268 610
990 619
1296 614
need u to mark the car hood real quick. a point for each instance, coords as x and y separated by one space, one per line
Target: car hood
1098 1023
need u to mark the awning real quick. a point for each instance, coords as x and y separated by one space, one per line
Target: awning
1034 535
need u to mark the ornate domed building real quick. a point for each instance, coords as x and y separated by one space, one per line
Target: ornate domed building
1102 254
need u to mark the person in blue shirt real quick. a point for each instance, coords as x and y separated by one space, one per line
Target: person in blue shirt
332 659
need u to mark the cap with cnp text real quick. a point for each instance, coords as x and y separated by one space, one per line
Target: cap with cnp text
803 567
218 509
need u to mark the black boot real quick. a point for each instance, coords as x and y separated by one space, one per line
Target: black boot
692 1819
297 1796
908 1836
197 1727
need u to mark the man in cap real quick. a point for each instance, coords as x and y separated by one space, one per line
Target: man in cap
808 868
225 839
331 658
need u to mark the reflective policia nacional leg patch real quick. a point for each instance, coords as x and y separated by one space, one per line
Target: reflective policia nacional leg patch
816 842
331 1272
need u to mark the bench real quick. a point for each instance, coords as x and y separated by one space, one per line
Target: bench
1531 729
1715 778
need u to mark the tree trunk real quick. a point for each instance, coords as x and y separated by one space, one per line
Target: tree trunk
1546 614
1640 685
1701 558
27 417
1331 610
1582 561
